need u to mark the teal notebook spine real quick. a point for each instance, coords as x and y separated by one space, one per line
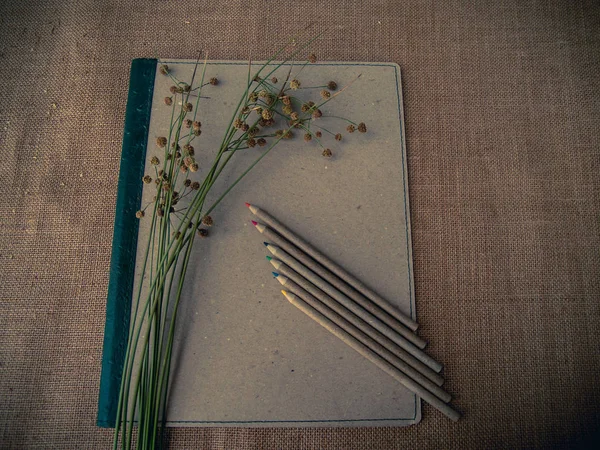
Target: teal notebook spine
124 247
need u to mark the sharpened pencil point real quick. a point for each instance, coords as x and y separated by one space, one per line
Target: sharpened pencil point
266 244
254 222
269 258
275 274
247 204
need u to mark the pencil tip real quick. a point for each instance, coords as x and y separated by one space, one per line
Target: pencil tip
269 258
275 274
266 244
247 204
254 222
284 292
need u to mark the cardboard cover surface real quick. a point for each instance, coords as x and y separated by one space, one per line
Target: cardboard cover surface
243 355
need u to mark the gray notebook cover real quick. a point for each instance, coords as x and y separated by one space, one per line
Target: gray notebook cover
244 355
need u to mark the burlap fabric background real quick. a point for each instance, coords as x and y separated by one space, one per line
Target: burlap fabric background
503 122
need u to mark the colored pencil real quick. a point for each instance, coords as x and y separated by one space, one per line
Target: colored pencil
326 306
287 272
406 381
356 309
339 284
331 265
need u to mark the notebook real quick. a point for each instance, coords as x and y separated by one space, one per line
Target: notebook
244 356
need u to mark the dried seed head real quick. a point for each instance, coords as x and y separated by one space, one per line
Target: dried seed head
161 173
237 123
338 137
194 167
195 186
287 134
160 212
269 122
139 214
312 58
262 122
202 232
287 109
147 179
317 113
267 114
187 182
251 142
325 94
161 141
252 131
261 142
362 127
310 103
164 69
168 101
350 128
318 134
279 133
176 90
208 221
263 94
295 84
327 153
189 150
245 127
177 235
183 168
187 123
246 110
332 85
186 87
177 155
175 147
294 116
308 137
154 161
253 96
188 161
166 186
270 99
197 132
188 107
304 107
274 80
214 81
286 100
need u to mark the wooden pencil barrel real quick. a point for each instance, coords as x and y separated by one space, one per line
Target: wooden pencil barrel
356 309
332 266
406 381
293 277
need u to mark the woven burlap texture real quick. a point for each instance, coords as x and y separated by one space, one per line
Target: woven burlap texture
502 110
